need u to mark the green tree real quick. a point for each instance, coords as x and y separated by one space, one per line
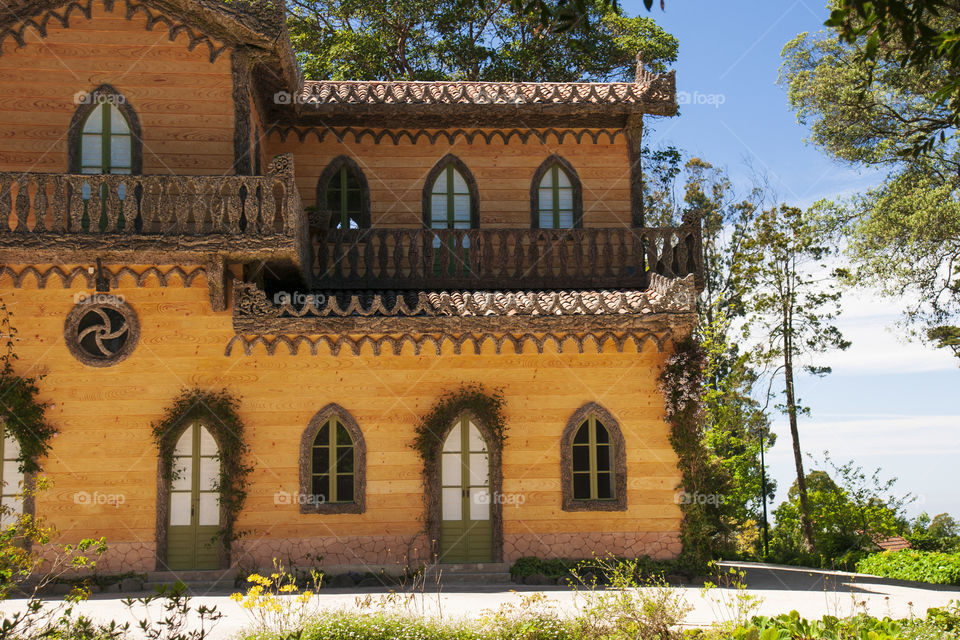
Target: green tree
940 533
904 235
850 509
469 40
735 424
792 301
916 35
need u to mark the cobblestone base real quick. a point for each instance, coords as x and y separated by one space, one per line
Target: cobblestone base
120 557
355 551
657 545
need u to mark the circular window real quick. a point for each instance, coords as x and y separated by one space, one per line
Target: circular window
101 334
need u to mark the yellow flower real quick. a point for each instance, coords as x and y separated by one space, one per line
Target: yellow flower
253 577
237 597
287 588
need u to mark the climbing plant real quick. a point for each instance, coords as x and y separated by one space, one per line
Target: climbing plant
474 398
217 410
703 480
23 416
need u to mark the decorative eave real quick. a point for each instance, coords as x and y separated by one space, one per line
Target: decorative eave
666 309
258 27
462 103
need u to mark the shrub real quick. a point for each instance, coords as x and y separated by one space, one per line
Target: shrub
922 566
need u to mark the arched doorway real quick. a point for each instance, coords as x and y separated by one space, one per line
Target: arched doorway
194 503
466 506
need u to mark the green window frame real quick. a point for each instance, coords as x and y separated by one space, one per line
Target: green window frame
593 476
107 127
333 464
447 180
345 199
556 199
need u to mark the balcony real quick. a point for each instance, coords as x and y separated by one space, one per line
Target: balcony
406 259
168 219
62 218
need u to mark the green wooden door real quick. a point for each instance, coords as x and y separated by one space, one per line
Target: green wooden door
194 502
466 532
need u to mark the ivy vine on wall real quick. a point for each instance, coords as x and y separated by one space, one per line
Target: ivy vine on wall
23 416
217 410
681 384
474 398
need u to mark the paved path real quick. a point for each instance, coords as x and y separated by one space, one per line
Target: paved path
779 589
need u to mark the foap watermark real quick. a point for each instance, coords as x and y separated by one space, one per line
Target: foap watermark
82 97
83 297
299 299
696 98
285 497
713 499
98 498
514 499
285 97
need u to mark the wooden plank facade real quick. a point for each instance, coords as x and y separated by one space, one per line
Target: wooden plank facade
223 277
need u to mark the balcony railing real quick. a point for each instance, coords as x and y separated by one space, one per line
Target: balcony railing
505 258
231 215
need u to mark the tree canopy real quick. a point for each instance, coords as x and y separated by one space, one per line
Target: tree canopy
904 236
470 40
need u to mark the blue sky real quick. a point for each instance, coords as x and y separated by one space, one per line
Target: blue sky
889 403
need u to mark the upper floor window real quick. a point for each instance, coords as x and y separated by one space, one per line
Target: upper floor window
332 464
106 145
343 191
450 196
556 198
105 135
594 462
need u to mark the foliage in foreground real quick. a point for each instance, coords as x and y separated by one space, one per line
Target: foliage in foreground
567 570
922 566
535 620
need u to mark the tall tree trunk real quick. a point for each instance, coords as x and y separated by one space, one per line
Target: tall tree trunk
805 523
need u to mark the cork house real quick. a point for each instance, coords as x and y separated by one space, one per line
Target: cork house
181 210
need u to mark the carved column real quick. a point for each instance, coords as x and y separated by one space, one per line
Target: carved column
240 68
634 133
217 275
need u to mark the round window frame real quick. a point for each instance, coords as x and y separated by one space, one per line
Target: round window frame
72 324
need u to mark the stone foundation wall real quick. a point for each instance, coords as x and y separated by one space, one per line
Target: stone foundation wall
361 552
374 552
120 557
658 545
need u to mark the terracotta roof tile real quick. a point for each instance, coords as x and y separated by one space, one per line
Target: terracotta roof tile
328 92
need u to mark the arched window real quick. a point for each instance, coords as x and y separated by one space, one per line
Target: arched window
332 464
450 198
11 494
105 135
594 462
342 189
106 143
556 199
